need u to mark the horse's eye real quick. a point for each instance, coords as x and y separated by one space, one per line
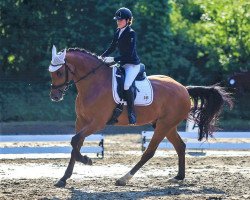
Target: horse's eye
59 74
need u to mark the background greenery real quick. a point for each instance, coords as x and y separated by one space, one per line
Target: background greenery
194 41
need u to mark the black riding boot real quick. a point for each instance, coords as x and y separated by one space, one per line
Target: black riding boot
129 95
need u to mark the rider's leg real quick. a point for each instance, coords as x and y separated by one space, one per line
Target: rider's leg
131 72
129 95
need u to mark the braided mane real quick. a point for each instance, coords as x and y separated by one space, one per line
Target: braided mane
77 49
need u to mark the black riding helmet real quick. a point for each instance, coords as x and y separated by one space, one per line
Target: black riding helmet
123 13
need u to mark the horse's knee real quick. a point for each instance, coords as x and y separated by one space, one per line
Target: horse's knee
74 140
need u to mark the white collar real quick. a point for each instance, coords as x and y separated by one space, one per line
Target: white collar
122 29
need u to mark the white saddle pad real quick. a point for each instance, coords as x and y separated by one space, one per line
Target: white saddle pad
144 96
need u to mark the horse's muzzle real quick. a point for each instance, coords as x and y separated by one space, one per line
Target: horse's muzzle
56 95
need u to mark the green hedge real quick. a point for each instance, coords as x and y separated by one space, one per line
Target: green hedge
31 102
195 42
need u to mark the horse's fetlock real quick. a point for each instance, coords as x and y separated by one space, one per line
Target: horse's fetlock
180 177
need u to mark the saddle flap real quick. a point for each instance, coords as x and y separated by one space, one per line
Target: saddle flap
144 95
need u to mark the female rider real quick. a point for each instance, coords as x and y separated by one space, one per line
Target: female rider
125 39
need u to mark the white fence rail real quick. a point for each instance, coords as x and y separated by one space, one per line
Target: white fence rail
190 138
96 141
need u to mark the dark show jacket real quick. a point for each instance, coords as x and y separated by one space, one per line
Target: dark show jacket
126 44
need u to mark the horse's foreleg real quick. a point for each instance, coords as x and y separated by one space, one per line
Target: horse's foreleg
75 145
148 154
87 130
69 170
180 148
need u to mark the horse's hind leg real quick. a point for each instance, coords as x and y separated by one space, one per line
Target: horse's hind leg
160 133
180 148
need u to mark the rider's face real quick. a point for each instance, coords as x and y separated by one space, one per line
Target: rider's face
121 23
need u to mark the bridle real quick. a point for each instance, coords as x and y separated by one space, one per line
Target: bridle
67 83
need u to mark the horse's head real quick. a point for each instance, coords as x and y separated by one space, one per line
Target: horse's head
61 74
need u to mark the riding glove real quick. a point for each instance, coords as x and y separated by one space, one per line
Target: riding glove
108 59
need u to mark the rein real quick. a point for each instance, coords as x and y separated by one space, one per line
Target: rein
67 81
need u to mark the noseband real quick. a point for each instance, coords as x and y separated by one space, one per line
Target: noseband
67 81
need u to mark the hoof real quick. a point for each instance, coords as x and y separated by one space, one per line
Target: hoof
88 161
180 178
85 160
120 182
60 184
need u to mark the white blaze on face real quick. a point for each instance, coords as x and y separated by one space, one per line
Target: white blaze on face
58 59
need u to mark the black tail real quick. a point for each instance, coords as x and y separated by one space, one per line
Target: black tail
207 105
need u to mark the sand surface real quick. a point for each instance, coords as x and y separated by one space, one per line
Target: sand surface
209 175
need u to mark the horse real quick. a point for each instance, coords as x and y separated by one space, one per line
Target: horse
94 106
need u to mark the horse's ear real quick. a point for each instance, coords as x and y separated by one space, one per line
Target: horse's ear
53 51
62 55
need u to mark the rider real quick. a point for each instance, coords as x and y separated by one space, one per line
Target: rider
125 39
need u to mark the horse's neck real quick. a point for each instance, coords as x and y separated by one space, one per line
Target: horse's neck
95 83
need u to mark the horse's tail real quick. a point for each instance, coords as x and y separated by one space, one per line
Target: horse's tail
207 105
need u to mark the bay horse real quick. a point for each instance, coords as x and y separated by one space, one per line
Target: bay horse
94 106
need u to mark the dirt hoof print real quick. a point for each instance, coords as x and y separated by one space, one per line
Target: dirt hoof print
174 180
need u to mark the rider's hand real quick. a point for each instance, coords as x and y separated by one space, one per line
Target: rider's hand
108 59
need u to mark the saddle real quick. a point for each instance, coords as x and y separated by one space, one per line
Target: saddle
143 91
120 78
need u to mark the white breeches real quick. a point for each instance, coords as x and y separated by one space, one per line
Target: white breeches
131 72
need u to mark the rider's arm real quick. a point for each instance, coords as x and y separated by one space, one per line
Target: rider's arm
132 43
112 46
